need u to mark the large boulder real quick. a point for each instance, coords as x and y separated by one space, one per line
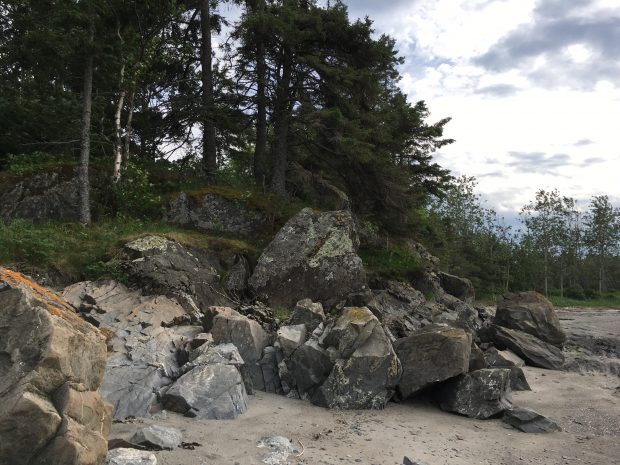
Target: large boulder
506 359
52 364
533 350
313 256
307 313
160 266
531 313
480 394
144 346
214 389
210 211
40 198
461 288
432 355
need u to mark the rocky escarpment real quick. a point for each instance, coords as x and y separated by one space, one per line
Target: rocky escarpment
52 364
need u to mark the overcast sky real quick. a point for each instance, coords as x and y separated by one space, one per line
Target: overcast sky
532 86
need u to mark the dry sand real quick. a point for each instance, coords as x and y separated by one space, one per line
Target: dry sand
587 407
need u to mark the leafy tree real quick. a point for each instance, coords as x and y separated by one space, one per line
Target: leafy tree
602 234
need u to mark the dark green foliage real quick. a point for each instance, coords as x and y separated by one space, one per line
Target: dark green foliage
392 263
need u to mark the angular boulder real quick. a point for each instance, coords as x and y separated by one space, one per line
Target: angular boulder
307 313
506 359
312 256
156 437
529 421
128 456
431 355
531 313
533 350
461 288
52 364
480 394
289 338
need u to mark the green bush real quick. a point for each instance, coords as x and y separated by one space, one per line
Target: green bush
575 292
392 263
26 163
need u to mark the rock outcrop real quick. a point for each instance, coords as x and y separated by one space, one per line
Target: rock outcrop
530 313
52 364
215 213
313 256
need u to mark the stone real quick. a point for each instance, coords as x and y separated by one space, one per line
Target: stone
313 256
52 364
214 212
481 394
529 421
433 354
159 266
366 370
461 288
401 308
145 349
40 198
308 369
506 359
278 448
531 313
126 456
408 461
534 351
157 437
289 338
307 313
476 358
214 392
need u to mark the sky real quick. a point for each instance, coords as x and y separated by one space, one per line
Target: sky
532 87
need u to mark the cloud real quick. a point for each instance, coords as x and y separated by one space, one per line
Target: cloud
593 161
538 162
566 44
583 142
498 90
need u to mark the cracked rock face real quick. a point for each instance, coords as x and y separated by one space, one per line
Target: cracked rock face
52 364
313 256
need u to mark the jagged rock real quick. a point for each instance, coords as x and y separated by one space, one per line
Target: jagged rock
52 364
401 308
480 394
529 421
156 437
458 313
312 256
366 369
145 351
237 275
160 266
213 212
408 461
127 456
278 448
506 359
289 338
476 359
432 355
534 351
530 313
307 369
307 313
269 366
215 392
247 335
461 288
261 314
310 186
40 198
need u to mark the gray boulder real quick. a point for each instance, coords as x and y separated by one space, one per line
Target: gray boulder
534 351
158 437
506 359
461 288
314 256
480 394
289 338
307 313
52 364
210 211
432 355
476 358
128 456
529 421
215 392
530 313
307 369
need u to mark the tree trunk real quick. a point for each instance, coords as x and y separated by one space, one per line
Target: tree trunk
128 125
83 172
118 131
546 275
209 154
260 154
281 125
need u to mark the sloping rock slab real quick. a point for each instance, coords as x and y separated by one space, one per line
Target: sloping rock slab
52 364
529 421
431 355
313 256
481 394
530 313
506 359
461 288
534 351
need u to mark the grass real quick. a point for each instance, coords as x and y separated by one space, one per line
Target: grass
393 263
75 253
607 300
